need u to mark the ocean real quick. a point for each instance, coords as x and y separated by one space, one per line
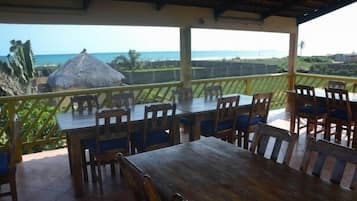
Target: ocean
51 59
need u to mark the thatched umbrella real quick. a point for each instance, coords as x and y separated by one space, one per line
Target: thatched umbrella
9 86
84 71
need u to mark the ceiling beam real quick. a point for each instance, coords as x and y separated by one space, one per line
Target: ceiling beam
323 10
84 6
226 5
284 6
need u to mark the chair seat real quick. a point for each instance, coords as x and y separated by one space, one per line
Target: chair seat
207 127
4 163
341 114
318 110
158 137
105 146
242 121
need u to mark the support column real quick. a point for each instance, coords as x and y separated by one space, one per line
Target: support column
292 60
185 56
293 42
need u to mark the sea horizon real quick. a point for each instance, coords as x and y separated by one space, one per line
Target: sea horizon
59 59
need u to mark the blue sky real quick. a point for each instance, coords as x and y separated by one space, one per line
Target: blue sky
332 33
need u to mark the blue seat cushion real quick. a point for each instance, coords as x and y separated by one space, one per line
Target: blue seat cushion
4 163
105 145
242 121
207 127
313 110
339 114
155 137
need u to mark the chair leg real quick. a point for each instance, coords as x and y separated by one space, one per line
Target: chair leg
13 188
315 128
112 168
348 135
92 167
84 165
239 143
99 167
298 126
338 134
327 130
246 139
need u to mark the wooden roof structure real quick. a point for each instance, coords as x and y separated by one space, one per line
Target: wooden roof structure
301 10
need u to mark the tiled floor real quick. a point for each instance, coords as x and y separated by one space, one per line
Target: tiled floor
45 176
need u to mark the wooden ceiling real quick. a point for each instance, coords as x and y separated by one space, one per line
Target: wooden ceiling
302 10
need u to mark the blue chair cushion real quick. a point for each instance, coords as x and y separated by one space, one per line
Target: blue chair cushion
313 110
153 138
339 114
242 121
207 127
88 143
186 121
4 163
105 145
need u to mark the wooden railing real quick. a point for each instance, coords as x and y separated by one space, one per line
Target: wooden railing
39 131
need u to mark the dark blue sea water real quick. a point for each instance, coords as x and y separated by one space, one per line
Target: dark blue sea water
165 55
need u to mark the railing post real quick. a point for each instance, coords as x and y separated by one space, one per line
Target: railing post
14 129
185 55
248 87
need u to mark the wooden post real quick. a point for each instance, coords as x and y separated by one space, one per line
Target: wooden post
185 55
293 42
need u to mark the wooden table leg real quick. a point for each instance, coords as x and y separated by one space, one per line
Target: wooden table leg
292 122
69 153
354 140
196 133
76 165
176 127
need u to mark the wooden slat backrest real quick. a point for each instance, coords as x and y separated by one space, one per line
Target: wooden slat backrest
119 128
158 117
214 91
84 103
260 105
334 84
124 99
226 110
324 149
264 133
182 94
133 176
304 96
338 100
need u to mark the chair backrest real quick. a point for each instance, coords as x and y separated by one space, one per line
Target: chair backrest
182 94
116 125
158 117
334 84
260 106
214 91
325 149
226 110
125 99
304 96
85 103
261 139
338 101
133 176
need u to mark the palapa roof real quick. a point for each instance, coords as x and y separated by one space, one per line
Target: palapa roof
84 71
9 86
301 10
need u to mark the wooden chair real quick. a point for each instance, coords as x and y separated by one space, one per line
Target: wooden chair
224 124
182 94
324 149
339 112
85 105
125 99
306 107
214 91
140 183
8 164
261 138
334 84
111 138
247 123
158 120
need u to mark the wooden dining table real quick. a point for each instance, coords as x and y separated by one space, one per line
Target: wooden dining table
200 109
80 127
321 98
213 170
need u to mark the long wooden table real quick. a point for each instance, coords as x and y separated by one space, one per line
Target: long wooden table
79 127
212 170
202 109
321 97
